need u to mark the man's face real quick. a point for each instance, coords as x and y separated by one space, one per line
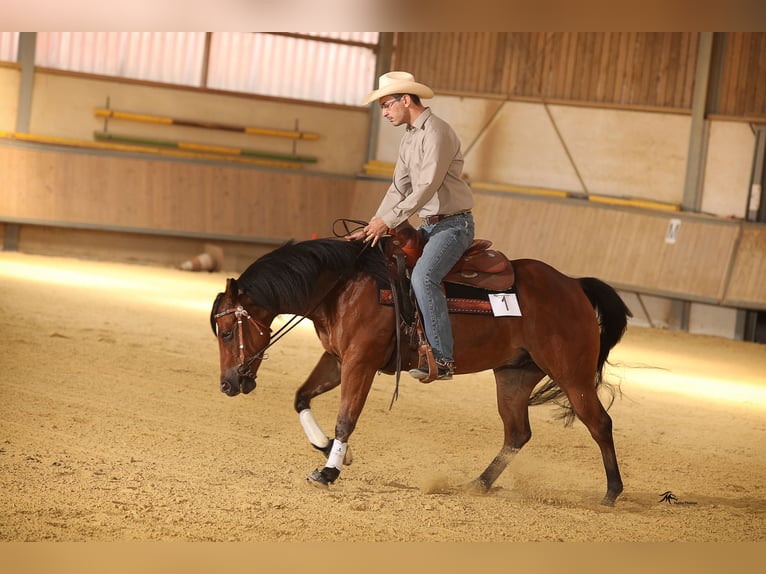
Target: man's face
393 109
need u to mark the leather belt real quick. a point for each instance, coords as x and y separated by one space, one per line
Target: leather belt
431 219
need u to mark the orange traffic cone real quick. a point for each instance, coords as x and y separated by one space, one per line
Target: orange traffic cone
211 260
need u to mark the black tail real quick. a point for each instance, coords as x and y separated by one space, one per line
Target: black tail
612 316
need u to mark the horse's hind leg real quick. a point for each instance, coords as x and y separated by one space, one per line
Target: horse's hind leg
514 385
588 408
324 377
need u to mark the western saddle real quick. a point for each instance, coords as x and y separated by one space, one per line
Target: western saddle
479 267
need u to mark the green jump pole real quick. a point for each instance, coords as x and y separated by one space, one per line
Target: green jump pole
188 146
292 134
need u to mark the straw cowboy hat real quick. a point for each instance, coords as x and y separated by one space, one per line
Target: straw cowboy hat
398 83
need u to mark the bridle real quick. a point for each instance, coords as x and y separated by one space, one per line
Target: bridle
243 369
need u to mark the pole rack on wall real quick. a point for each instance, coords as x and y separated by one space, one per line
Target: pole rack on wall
377 168
201 148
145 148
128 116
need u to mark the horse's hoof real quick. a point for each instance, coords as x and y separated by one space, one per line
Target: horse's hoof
316 480
611 496
323 478
476 486
609 500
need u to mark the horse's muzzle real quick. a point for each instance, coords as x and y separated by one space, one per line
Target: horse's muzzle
243 385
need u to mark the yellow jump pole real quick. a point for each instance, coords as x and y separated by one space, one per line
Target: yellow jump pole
291 134
146 148
224 150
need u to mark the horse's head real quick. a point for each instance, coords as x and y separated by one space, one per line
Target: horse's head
242 339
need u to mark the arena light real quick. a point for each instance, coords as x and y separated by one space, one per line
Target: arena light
707 388
130 282
161 287
46 271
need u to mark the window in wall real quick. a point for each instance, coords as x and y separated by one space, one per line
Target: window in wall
9 46
171 57
331 67
289 66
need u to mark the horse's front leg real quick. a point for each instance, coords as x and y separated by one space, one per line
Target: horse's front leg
324 377
356 381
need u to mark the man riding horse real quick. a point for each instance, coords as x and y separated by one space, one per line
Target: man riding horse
427 181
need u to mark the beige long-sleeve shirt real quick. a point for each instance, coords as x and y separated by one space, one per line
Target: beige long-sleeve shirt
427 174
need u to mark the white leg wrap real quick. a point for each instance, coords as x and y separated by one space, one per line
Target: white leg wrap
338 452
316 435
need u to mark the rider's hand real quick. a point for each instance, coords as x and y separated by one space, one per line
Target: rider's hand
356 235
375 229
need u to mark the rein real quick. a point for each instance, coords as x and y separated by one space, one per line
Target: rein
244 364
240 312
397 331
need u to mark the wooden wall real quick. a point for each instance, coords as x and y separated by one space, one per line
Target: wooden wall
623 246
64 104
627 68
157 201
631 69
173 205
743 91
748 274
168 195
135 247
712 260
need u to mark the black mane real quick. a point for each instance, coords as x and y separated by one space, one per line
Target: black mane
286 277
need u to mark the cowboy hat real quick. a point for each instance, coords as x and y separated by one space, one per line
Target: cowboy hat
398 83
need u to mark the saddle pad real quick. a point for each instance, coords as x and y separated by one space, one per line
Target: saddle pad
454 304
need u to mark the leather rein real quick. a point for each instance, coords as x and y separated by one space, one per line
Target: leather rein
243 368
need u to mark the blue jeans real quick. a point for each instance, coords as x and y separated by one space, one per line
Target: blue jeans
447 241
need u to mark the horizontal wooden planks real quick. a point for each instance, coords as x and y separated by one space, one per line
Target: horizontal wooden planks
747 284
711 260
623 246
625 68
169 195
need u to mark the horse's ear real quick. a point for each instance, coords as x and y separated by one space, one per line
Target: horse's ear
232 291
213 312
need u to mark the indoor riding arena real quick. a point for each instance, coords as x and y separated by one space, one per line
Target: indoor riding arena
130 196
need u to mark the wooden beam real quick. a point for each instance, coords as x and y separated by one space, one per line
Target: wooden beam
695 159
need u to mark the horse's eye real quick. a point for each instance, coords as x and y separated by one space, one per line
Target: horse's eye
227 335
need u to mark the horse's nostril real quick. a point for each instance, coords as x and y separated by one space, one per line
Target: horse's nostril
225 387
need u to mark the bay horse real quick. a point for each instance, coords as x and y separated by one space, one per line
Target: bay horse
565 333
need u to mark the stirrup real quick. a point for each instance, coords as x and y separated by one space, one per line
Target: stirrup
445 370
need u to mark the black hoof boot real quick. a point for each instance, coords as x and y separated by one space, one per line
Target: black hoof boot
323 478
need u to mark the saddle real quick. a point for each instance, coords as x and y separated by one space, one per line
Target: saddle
479 268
